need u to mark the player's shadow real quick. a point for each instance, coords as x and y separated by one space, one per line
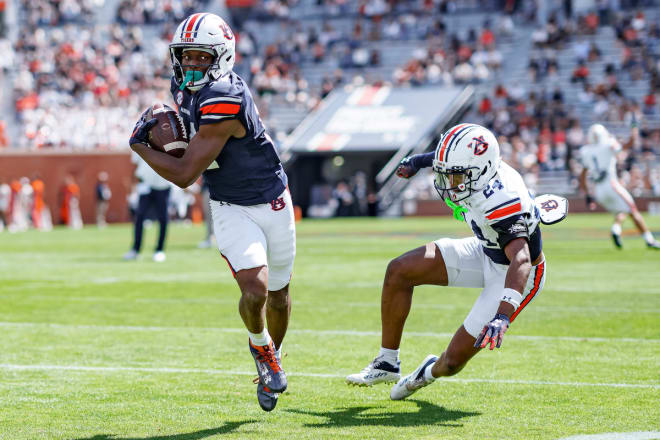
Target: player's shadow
196 435
427 414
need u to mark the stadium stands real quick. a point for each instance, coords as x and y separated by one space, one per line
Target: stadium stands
541 77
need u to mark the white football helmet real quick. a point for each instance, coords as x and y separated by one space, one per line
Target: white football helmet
466 158
209 33
597 134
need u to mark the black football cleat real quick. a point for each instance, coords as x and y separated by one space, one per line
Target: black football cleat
616 238
267 399
271 374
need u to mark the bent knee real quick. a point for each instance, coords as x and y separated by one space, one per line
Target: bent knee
397 271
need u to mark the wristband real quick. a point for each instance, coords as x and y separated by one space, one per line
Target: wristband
503 317
512 297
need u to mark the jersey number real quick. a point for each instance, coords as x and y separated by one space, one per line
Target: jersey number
490 189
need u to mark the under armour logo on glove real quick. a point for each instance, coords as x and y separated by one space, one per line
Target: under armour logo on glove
493 332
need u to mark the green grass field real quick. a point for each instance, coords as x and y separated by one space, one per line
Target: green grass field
96 348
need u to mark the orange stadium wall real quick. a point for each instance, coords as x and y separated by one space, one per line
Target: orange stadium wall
53 166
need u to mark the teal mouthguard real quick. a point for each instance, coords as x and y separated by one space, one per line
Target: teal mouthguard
191 75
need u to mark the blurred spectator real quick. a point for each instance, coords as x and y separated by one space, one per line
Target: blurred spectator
154 193
70 203
41 218
3 135
103 196
3 24
346 202
5 199
581 73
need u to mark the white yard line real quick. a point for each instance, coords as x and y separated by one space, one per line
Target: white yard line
100 369
357 333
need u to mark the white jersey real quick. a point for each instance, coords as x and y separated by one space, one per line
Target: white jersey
149 179
504 210
600 160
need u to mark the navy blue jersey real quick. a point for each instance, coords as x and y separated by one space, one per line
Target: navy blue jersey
248 170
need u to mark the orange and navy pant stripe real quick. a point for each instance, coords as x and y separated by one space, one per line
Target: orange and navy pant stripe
538 282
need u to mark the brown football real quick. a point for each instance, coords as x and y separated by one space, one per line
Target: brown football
169 135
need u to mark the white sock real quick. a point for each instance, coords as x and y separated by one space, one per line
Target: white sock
389 356
616 229
278 353
648 236
262 338
428 376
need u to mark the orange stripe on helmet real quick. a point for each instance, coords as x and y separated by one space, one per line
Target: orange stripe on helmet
446 141
191 24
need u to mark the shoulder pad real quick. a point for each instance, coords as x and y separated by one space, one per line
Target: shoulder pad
228 85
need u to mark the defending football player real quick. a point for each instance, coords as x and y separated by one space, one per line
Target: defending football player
504 258
599 159
250 203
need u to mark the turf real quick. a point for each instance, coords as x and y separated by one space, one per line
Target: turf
96 348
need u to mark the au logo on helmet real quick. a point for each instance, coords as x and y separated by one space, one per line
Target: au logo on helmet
480 145
226 31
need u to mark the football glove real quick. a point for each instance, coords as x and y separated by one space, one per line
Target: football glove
493 332
406 169
141 131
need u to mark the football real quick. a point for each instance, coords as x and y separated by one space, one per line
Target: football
169 135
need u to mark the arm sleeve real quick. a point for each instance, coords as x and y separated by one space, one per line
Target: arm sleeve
511 228
424 160
214 109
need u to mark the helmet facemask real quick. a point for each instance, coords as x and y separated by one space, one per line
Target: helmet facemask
190 75
456 183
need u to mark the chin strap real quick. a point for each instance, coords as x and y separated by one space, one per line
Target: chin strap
458 210
191 76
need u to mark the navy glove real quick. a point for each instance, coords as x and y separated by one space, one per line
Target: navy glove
493 332
141 131
588 199
406 169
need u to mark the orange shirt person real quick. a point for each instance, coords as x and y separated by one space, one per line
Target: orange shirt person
37 202
70 191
